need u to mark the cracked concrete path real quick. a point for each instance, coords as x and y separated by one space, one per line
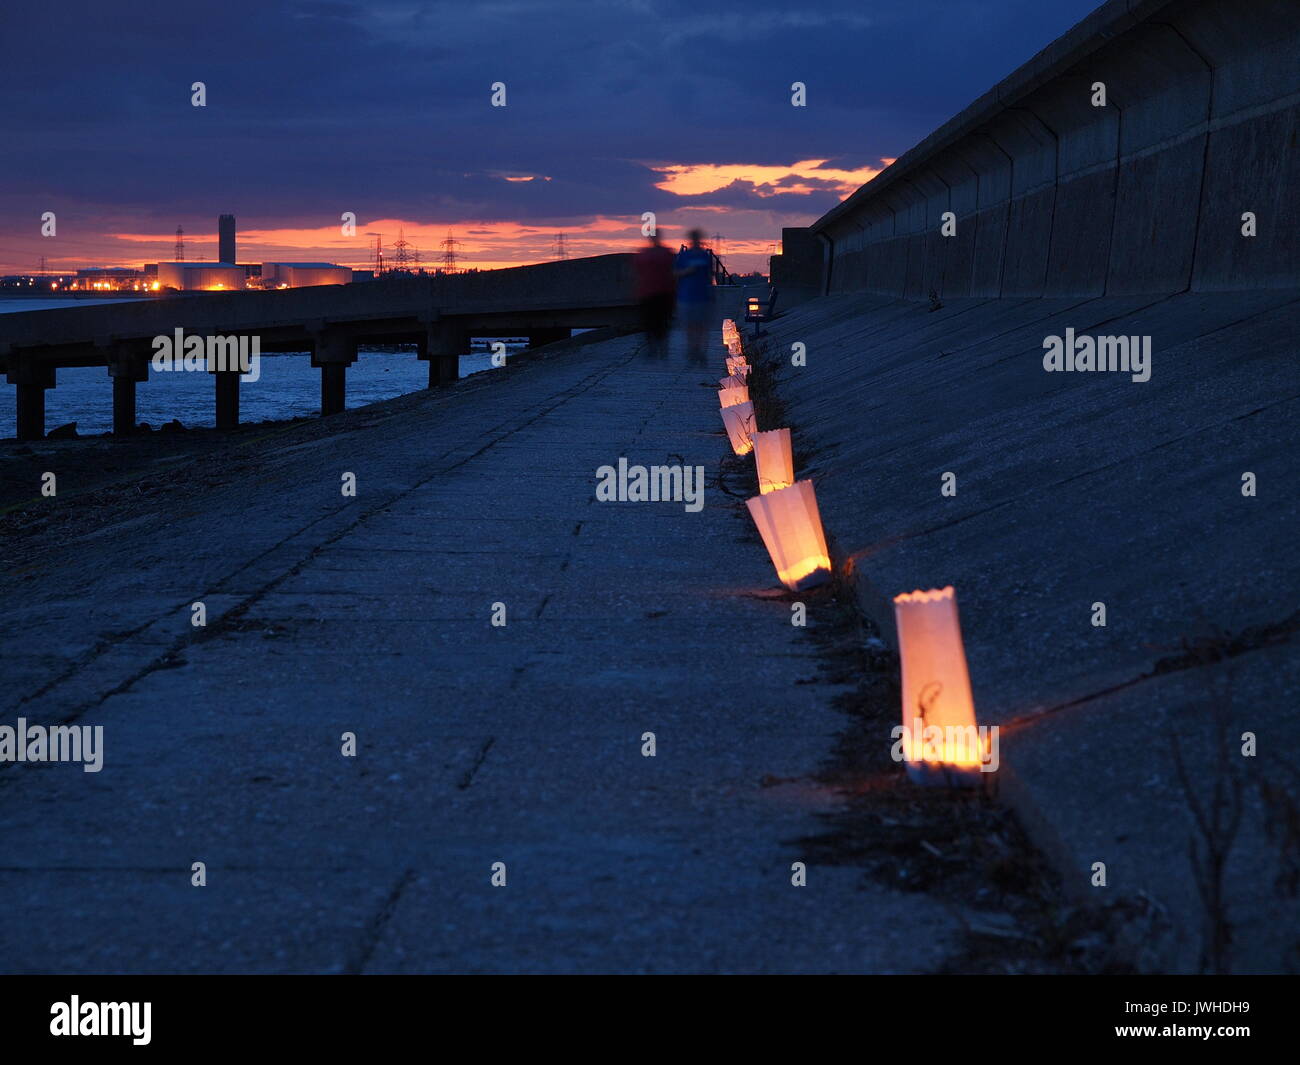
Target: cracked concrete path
476 744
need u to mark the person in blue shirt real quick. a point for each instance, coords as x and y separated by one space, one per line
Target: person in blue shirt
693 269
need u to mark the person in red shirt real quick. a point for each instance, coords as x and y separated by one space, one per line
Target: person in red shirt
656 287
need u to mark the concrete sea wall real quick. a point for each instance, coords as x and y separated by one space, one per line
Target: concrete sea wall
1077 491
1054 196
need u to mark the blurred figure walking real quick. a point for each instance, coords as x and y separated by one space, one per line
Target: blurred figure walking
695 295
652 268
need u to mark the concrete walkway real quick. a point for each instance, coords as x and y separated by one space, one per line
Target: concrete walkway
519 744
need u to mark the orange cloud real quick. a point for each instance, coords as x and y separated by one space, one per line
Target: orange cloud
695 179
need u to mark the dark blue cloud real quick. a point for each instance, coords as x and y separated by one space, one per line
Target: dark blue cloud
383 107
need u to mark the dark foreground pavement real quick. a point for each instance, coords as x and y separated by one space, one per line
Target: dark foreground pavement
519 744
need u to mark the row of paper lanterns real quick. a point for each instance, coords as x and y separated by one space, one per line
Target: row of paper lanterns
785 510
936 688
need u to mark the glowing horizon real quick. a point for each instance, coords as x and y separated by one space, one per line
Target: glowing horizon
491 245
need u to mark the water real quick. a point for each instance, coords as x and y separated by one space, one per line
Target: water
49 304
289 386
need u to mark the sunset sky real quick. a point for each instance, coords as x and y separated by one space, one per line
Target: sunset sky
384 109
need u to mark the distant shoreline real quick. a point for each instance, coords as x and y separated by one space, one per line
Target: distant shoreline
44 294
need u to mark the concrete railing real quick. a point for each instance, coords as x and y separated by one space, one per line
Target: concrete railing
1054 196
436 314
601 281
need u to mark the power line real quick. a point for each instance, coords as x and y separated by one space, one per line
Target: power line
449 247
406 259
377 258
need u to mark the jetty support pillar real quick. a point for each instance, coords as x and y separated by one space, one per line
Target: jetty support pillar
333 350
31 378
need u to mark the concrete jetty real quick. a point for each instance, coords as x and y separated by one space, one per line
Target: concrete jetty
521 743
438 314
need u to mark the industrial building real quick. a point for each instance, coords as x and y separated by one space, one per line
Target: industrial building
193 276
300 275
184 275
109 279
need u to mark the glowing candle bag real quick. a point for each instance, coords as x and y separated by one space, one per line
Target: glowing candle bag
732 381
730 397
936 689
738 365
775 456
791 529
739 423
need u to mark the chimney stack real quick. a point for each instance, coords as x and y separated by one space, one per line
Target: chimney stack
226 238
